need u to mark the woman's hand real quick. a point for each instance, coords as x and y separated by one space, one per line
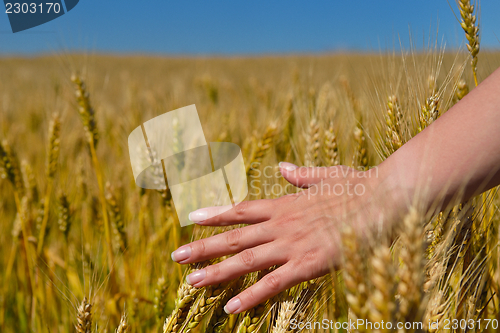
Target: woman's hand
299 232
457 153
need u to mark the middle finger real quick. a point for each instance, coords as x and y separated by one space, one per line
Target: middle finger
229 242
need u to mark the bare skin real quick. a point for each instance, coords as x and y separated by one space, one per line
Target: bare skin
301 232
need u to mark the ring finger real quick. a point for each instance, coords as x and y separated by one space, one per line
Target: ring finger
250 260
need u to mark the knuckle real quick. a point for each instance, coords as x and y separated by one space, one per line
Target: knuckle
308 258
247 258
272 281
240 209
285 219
233 238
281 221
308 265
296 236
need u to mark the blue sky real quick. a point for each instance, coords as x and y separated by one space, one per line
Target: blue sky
247 27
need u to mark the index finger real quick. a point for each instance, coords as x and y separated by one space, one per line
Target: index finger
248 212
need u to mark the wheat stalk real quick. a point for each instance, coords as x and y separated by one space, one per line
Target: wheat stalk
51 167
21 215
285 140
89 124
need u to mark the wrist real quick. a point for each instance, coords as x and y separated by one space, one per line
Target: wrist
390 198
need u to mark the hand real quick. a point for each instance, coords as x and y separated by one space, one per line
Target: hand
299 232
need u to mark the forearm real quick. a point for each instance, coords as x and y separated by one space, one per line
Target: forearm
459 151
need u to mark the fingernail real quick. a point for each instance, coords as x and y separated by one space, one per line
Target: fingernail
232 306
198 215
287 166
182 253
196 277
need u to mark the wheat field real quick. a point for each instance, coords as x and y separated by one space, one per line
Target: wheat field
84 249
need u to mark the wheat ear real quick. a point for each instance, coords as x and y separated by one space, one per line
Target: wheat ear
462 90
185 298
393 120
64 215
186 295
29 181
360 155
471 29
411 266
123 326
356 289
285 314
9 167
219 317
250 322
84 317
381 299
86 111
118 227
429 112
206 302
313 145
262 148
161 298
331 149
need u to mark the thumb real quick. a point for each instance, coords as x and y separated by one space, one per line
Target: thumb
305 177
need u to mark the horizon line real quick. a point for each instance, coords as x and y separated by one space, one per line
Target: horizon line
238 55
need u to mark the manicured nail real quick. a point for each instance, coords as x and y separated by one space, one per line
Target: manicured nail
198 215
196 277
287 166
182 253
232 306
